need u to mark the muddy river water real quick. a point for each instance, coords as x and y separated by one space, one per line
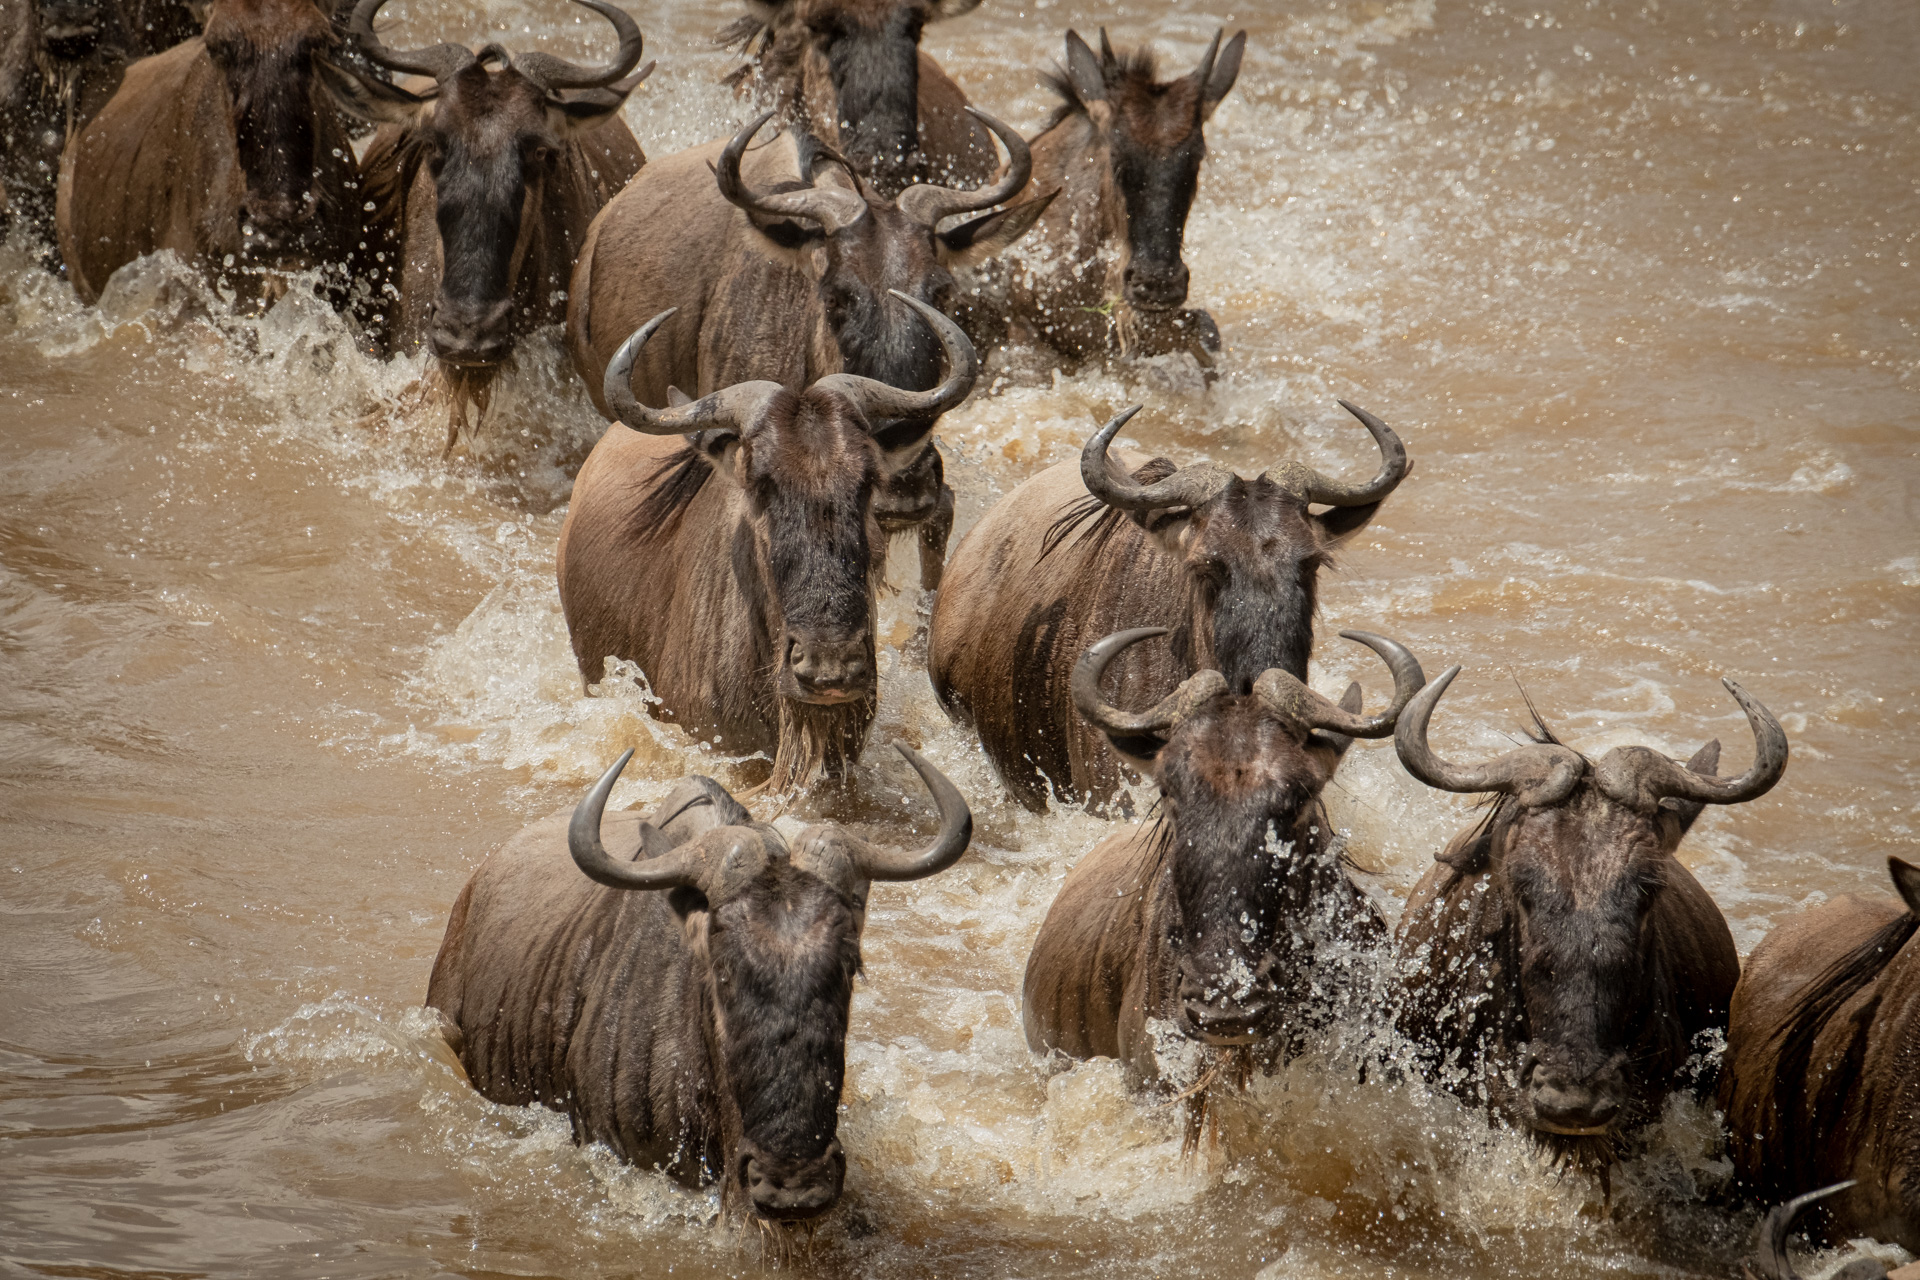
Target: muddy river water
1634 280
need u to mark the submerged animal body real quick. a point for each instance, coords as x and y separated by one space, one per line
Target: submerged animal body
1558 961
483 186
783 268
1821 1080
1227 566
686 1003
1105 268
852 74
1207 922
738 565
223 149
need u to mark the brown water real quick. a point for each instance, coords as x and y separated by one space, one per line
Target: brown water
1635 284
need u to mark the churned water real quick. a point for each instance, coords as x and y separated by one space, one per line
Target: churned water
1635 283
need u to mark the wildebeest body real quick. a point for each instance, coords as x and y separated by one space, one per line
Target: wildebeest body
235 165
1821 1080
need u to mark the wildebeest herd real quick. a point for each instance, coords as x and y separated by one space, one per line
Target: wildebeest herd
775 323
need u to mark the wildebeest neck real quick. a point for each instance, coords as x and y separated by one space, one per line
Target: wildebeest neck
876 81
782 956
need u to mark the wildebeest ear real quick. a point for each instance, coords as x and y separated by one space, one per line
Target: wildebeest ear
586 108
1138 750
374 101
1083 70
1706 762
1906 881
944 9
1339 523
718 445
1226 69
976 241
1338 743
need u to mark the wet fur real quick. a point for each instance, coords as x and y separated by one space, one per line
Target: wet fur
1822 1075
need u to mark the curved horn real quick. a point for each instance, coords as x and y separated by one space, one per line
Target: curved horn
557 73
879 402
1640 777
1187 487
438 61
1311 486
671 871
1540 774
832 207
926 203
956 831
1198 688
1772 1251
730 408
1284 695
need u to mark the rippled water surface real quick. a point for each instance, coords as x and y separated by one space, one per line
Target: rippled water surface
1635 282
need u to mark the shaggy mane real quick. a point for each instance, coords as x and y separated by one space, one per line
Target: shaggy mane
1136 67
676 481
1101 521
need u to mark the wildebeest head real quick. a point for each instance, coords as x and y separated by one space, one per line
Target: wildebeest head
1579 852
1154 137
856 62
69 30
1251 549
264 51
862 250
491 141
808 464
1247 844
774 932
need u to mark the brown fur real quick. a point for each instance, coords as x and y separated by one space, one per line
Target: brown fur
1821 1080
160 167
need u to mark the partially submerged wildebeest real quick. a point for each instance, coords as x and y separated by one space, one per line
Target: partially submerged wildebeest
701 1027
484 185
1558 961
223 149
1207 921
851 73
1821 1079
783 267
1104 269
738 566
1226 566
60 60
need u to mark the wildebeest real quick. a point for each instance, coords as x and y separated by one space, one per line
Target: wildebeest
699 1027
1226 566
222 149
1208 919
1821 1080
60 60
484 184
783 266
1558 959
1104 268
738 567
851 73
